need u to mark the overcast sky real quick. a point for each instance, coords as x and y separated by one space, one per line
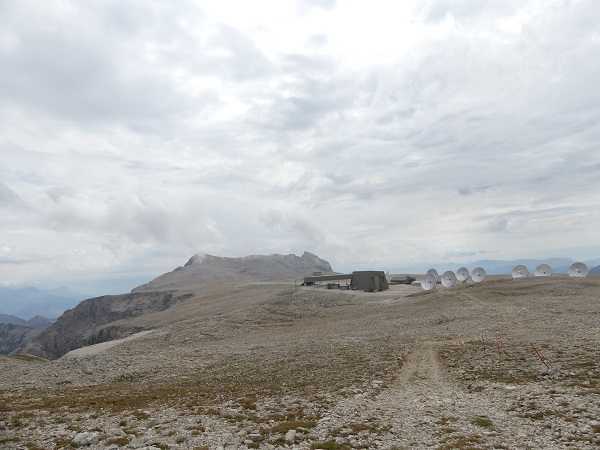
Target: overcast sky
379 134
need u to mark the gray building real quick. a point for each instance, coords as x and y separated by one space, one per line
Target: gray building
369 281
363 280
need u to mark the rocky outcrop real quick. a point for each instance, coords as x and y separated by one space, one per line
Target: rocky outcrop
111 317
98 320
203 268
39 323
13 336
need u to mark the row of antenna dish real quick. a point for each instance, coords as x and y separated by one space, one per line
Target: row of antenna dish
577 270
449 278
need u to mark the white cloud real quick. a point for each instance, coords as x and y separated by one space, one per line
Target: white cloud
141 133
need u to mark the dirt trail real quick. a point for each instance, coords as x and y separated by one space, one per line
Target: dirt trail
424 398
421 367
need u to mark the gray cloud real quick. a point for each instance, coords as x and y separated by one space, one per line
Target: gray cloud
498 223
9 198
151 131
305 230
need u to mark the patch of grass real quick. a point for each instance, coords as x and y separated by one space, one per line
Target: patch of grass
62 441
482 422
539 415
120 441
286 426
140 415
445 420
464 443
329 445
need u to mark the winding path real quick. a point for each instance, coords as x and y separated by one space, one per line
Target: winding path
423 398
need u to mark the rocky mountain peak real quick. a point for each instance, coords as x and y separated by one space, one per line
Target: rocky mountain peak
205 268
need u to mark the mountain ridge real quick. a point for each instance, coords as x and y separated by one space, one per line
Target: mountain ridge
204 283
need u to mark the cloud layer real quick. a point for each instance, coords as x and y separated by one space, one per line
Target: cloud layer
133 135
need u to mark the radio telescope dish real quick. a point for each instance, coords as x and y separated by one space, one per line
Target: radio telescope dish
579 270
543 270
433 272
478 275
428 283
448 279
520 271
462 274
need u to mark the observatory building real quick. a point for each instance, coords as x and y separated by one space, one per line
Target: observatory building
362 280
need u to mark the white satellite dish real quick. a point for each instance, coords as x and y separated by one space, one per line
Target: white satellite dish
520 271
428 282
578 270
478 275
448 279
543 270
462 274
433 272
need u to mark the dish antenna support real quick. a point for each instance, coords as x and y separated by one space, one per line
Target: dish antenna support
543 270
462 274
433 272
448 279
428 282
578 270
520 271
478 274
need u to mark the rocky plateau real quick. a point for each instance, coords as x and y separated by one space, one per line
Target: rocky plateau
223 354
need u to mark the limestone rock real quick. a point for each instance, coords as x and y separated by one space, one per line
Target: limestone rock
85 439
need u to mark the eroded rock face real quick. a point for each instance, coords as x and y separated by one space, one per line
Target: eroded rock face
98 320
111 317
13 336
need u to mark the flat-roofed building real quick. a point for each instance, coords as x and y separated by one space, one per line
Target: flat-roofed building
362 280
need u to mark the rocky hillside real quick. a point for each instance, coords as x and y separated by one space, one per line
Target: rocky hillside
204 285
203 268
39 322
13 336
98 320
16 332
316 368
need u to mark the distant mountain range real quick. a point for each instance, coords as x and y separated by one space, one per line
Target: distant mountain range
37 322
28 302
502 267
15 332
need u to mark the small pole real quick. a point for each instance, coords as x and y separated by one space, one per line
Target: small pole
543 357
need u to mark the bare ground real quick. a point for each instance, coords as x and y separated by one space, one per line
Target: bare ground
312 368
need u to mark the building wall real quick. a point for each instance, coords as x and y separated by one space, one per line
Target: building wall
369 280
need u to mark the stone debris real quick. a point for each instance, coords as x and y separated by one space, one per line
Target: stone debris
307 369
